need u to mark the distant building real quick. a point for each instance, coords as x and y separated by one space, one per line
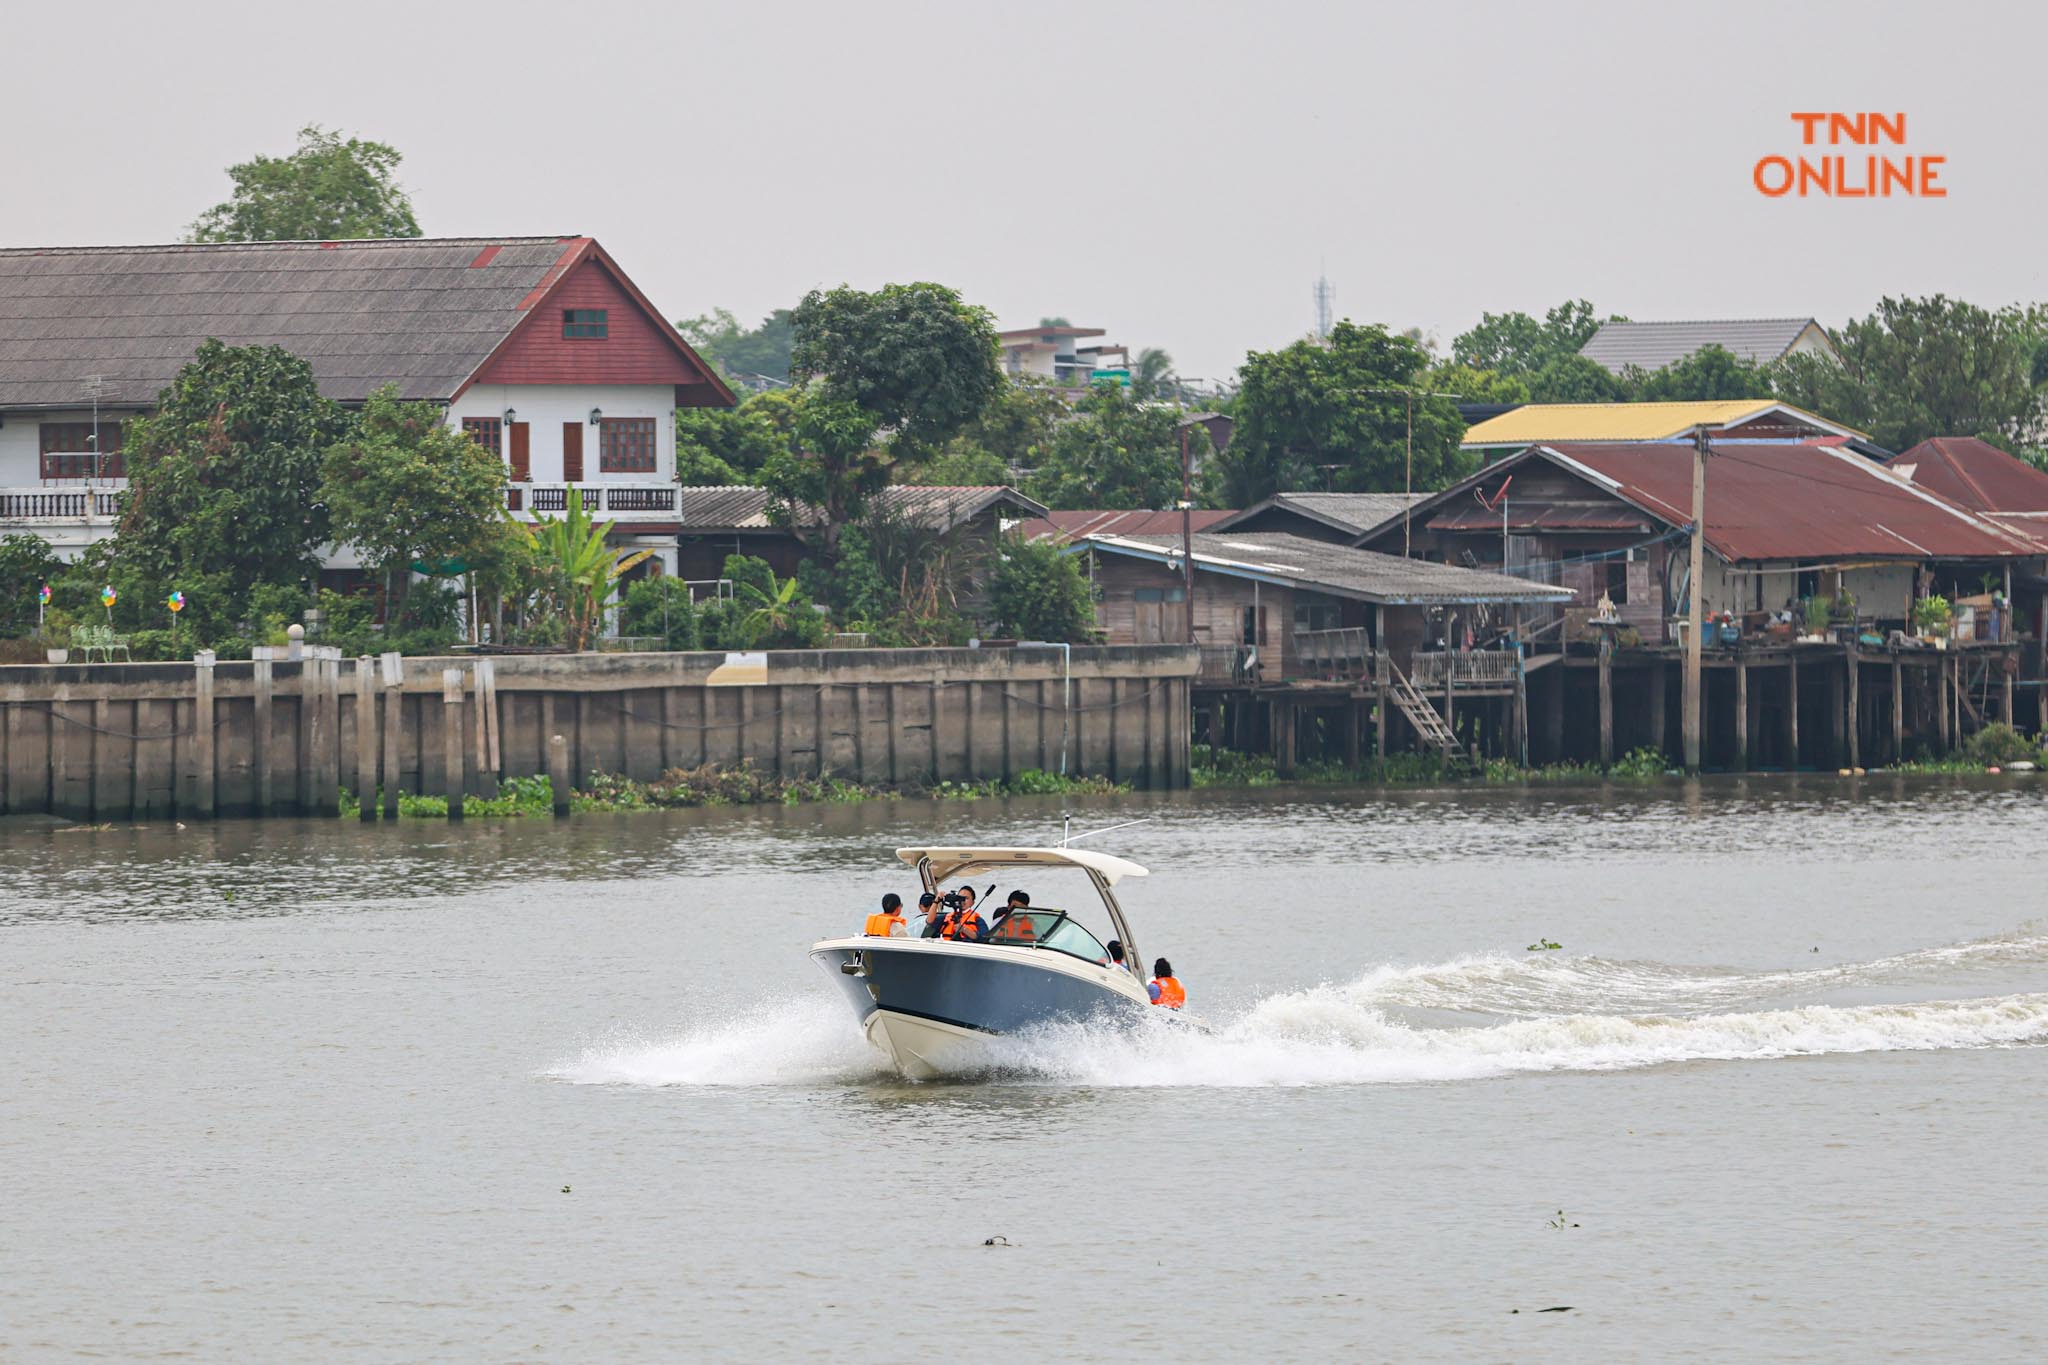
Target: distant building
1067 526
1654 345
1337 517
539 347
1058 356
1729 419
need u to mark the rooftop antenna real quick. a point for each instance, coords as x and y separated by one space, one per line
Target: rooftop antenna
95 384
1324 297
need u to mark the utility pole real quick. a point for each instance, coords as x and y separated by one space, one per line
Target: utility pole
1187 532
1408 476
1694 615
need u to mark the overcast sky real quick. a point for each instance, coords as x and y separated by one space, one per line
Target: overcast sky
1177 173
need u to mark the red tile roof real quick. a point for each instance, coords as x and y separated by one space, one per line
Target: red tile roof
1073 525
1791 500
1976 474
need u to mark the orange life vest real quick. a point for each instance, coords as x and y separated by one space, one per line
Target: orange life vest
884 925
963 924
1170 993
1017 927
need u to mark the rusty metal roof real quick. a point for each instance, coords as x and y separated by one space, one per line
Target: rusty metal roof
1338 570
1974 474
744 507
1541 516
1770 500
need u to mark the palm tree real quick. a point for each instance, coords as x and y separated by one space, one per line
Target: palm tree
1152 375
580 567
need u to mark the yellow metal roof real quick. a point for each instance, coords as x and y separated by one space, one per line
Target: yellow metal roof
1536 423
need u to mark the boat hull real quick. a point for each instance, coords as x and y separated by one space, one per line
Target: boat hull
931 1007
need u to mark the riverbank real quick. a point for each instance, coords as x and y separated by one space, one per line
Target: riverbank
710 785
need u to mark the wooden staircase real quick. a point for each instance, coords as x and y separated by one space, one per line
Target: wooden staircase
1427 722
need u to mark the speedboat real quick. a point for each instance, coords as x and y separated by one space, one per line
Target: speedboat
931 1004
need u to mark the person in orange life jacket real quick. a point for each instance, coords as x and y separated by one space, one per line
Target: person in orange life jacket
966 924
888 924
934 912
1115 949
1011 930
1163 989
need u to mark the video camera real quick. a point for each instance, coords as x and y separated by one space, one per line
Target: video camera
953 900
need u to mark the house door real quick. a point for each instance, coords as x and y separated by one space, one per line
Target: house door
1150 622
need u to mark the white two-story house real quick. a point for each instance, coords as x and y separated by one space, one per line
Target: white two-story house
539 347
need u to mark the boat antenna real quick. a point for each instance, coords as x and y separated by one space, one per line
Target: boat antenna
1065 840
1066 829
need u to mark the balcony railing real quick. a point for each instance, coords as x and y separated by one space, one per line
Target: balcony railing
1345 652
1466 668
599 499
55 505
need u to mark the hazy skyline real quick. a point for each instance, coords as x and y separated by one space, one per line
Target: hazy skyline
1178 174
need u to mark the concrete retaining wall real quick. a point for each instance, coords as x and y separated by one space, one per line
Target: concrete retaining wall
281 736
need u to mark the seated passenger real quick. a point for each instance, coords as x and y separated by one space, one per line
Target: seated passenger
1115 949
888 924
934 912
1163 989
1011 927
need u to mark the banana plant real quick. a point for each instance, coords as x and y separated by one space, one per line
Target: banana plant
580 567
774 610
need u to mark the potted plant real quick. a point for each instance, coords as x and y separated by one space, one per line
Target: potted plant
1931 617
1816 613
56 634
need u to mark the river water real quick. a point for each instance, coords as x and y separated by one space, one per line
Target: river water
524 1091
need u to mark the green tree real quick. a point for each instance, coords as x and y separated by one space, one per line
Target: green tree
1517 344
1114 452
1017 425
1916 368
579 568
1038 593
1476 386
762 353
1576 379
911 359
732 445
1152 374
405 488
1334 414
660 607
1710 372
330 189
26 564
224 482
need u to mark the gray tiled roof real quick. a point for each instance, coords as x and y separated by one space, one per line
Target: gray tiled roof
1341 511
1365 575
744 507
416 313
1653 345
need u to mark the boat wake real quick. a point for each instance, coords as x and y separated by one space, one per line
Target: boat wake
1559 1014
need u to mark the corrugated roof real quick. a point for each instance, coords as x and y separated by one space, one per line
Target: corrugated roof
744 507
1771 500
1548 423
1339 570
1609 516
1066 525
1352 512
1653 345
422 313
1975 474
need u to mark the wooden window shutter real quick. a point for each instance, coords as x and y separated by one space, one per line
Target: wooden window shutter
572 452
519 451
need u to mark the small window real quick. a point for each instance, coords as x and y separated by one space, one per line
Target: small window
68 451
1617 582
485 431
583 324
1148 594
625 445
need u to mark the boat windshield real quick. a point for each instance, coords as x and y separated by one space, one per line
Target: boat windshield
1049 929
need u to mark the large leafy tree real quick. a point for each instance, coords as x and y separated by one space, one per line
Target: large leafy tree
1517 344
1334 415
26 564
330 189
403 487
1114 452
1576 379
1916 368
885 378
224 480
740 353
733 445
1038 593
1710 372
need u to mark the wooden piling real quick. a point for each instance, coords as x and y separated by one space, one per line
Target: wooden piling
366 742
202 734
1898 711
1741 716
1852 714
558 774
1792 711
326 765
391 672
1353 741
264 685
1942 703
451 740
1521 737
2005 708
1283 719
1606 698
486 779
1379 713
1659 725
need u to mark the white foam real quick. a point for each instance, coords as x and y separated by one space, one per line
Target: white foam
806 1041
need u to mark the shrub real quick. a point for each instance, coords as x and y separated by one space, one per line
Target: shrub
1038 593
660 607
1999 744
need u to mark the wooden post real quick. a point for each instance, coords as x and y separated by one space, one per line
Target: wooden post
1694 615
327 766
494 724
1837 749
202 733
1607 703
1660 728
451 740
1283 738
1852 716
558 774
1379 717
1450 696
1941 701
2006 705
1741 715
1353 741
1792 711
366 742
1898 711
486 782
266 801
392 672
1521 739
1553 710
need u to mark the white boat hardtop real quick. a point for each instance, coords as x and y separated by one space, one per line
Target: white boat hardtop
950 862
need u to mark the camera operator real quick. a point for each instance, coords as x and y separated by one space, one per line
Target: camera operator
934 912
